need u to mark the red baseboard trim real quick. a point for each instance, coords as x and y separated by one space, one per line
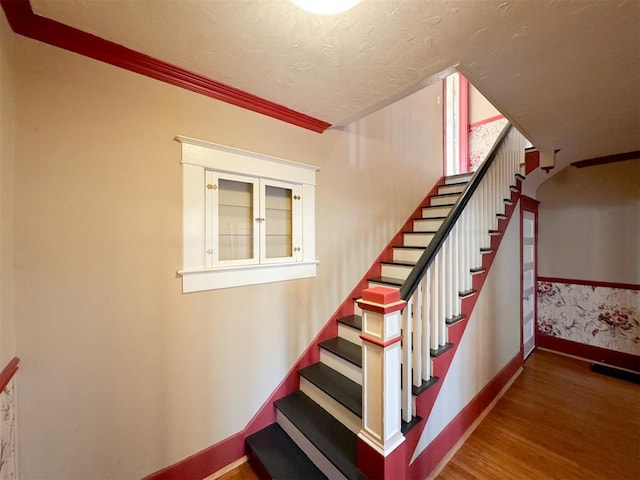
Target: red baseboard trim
619 157
225 452
590 283
589 352
25 22
485 121
8 372
431 456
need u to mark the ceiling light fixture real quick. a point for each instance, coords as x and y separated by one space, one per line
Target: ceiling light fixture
325 7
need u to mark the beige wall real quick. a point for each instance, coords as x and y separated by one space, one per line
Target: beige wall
589 223
7 135
123 374
479 107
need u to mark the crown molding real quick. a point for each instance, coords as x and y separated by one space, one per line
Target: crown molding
24 21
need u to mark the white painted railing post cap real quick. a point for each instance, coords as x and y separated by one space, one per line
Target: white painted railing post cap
381 300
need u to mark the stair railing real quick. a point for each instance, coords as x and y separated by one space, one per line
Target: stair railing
442 276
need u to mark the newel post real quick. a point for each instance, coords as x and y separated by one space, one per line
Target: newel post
381 359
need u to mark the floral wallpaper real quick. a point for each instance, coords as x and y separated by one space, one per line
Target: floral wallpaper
598 316
481 139
8 433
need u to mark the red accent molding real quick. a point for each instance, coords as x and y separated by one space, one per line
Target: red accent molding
590 283
589 352
375 341
381 295
531 161
619 157
485 121
8 372
375 466
444 442
528 203
25 22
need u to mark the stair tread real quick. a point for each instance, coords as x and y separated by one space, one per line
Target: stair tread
425 386
422 232
409 246
445 195
402 263
344 349
441 350
455 183
353 321
333 439
442 205
337 386
431 218
455 319
280 455
388 280
459 175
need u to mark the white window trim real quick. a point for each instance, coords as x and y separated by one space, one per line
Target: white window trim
199 156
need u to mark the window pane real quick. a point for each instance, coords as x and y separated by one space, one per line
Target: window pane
278 212
235 220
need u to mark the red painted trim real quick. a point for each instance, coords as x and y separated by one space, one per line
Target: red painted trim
381 295
375 466
209 460
8 372
485 121
375 341
25 22
463 124
531 161
589 352
528 203
590 283
445 441
607 159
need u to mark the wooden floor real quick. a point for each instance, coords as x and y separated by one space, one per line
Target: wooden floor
243 472
558 421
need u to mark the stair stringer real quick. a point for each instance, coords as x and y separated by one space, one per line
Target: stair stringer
426 400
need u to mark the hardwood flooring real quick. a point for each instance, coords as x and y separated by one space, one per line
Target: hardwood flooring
243 472
558 421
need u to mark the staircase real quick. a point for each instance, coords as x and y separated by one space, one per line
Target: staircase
316 429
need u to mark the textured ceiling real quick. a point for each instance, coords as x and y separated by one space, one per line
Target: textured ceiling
566 72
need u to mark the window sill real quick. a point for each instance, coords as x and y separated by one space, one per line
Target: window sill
217 278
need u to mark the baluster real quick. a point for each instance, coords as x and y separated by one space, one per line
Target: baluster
475 231
461 249
448 286
434 296
417 335
465 264
405 389
442 330
426 325
455 269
